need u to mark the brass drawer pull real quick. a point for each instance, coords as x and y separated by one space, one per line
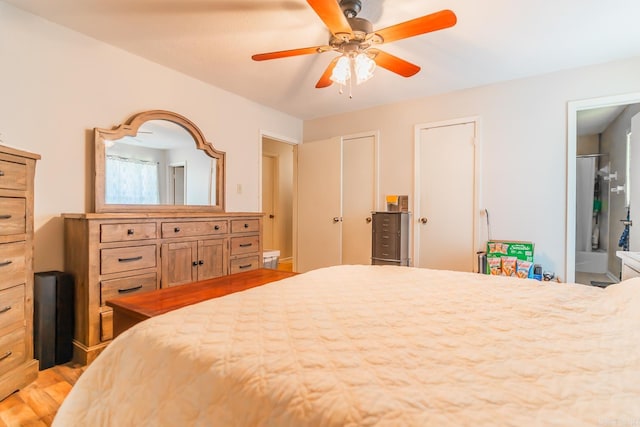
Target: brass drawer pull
4 310
135 258
246 245
216 227
244 266
5 263
5 216
130 232
127 290
4 356
246 225
176 230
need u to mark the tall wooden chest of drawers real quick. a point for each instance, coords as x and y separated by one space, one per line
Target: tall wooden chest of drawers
115 254
390 238
17 365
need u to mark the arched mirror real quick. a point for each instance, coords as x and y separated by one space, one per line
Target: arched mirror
157 161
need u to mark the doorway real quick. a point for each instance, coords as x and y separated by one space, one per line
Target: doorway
277 198
178 184
617 206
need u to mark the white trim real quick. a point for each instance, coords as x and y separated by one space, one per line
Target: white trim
415 231
572 149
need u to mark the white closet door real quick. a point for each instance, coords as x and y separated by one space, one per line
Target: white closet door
318 202
633 185
358 198
446 182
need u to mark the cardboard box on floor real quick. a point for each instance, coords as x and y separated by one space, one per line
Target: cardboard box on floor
510 258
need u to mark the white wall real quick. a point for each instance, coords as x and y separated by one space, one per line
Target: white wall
523 146
57 85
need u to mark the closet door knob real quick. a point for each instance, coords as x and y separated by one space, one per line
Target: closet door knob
423 220
368 220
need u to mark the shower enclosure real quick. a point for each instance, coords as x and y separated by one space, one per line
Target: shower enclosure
592 213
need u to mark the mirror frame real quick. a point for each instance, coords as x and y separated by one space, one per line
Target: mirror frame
130 128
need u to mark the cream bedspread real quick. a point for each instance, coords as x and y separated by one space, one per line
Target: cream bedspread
376 345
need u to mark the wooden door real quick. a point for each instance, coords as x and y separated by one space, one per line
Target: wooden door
179 263
318 204
358 198
268 197
445 188
211 259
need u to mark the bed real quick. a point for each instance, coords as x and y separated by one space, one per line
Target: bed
376 345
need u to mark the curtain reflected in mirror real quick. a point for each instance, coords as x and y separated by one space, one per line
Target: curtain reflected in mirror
163 161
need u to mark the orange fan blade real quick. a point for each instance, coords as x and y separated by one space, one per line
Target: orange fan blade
426 24
331 14
292 52
325 80
395 64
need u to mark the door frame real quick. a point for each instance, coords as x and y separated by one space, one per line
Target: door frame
477 187
294 218
573 107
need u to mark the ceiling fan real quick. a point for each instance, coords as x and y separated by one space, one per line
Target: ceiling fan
356 41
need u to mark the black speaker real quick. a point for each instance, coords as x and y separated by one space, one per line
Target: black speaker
53 318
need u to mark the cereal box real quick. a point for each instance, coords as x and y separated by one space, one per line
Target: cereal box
514 258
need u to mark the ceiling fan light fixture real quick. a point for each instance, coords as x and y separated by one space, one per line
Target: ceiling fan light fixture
364 67
342 71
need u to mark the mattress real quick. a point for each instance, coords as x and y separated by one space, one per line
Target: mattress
376 346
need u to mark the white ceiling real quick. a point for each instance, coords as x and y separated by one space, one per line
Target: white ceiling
213 40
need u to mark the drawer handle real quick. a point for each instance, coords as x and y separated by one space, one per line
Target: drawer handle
176 230
246 225
201 262
194 263
1 173
4 356
216 227
130 232
246 245
5 216
134 288
135 258
242 267
5 263
4 310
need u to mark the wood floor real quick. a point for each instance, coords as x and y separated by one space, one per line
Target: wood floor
37 404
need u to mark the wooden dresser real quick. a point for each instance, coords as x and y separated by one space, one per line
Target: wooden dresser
17 365
115 254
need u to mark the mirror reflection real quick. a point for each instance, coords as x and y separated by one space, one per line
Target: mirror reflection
157 161
159 165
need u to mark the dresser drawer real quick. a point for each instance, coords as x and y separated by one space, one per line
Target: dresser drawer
127 232
196 228
126 259
13 264
13 176
12 350
114 288
244 264
245 245
12 308
12 314
245 225
12 216
386 247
